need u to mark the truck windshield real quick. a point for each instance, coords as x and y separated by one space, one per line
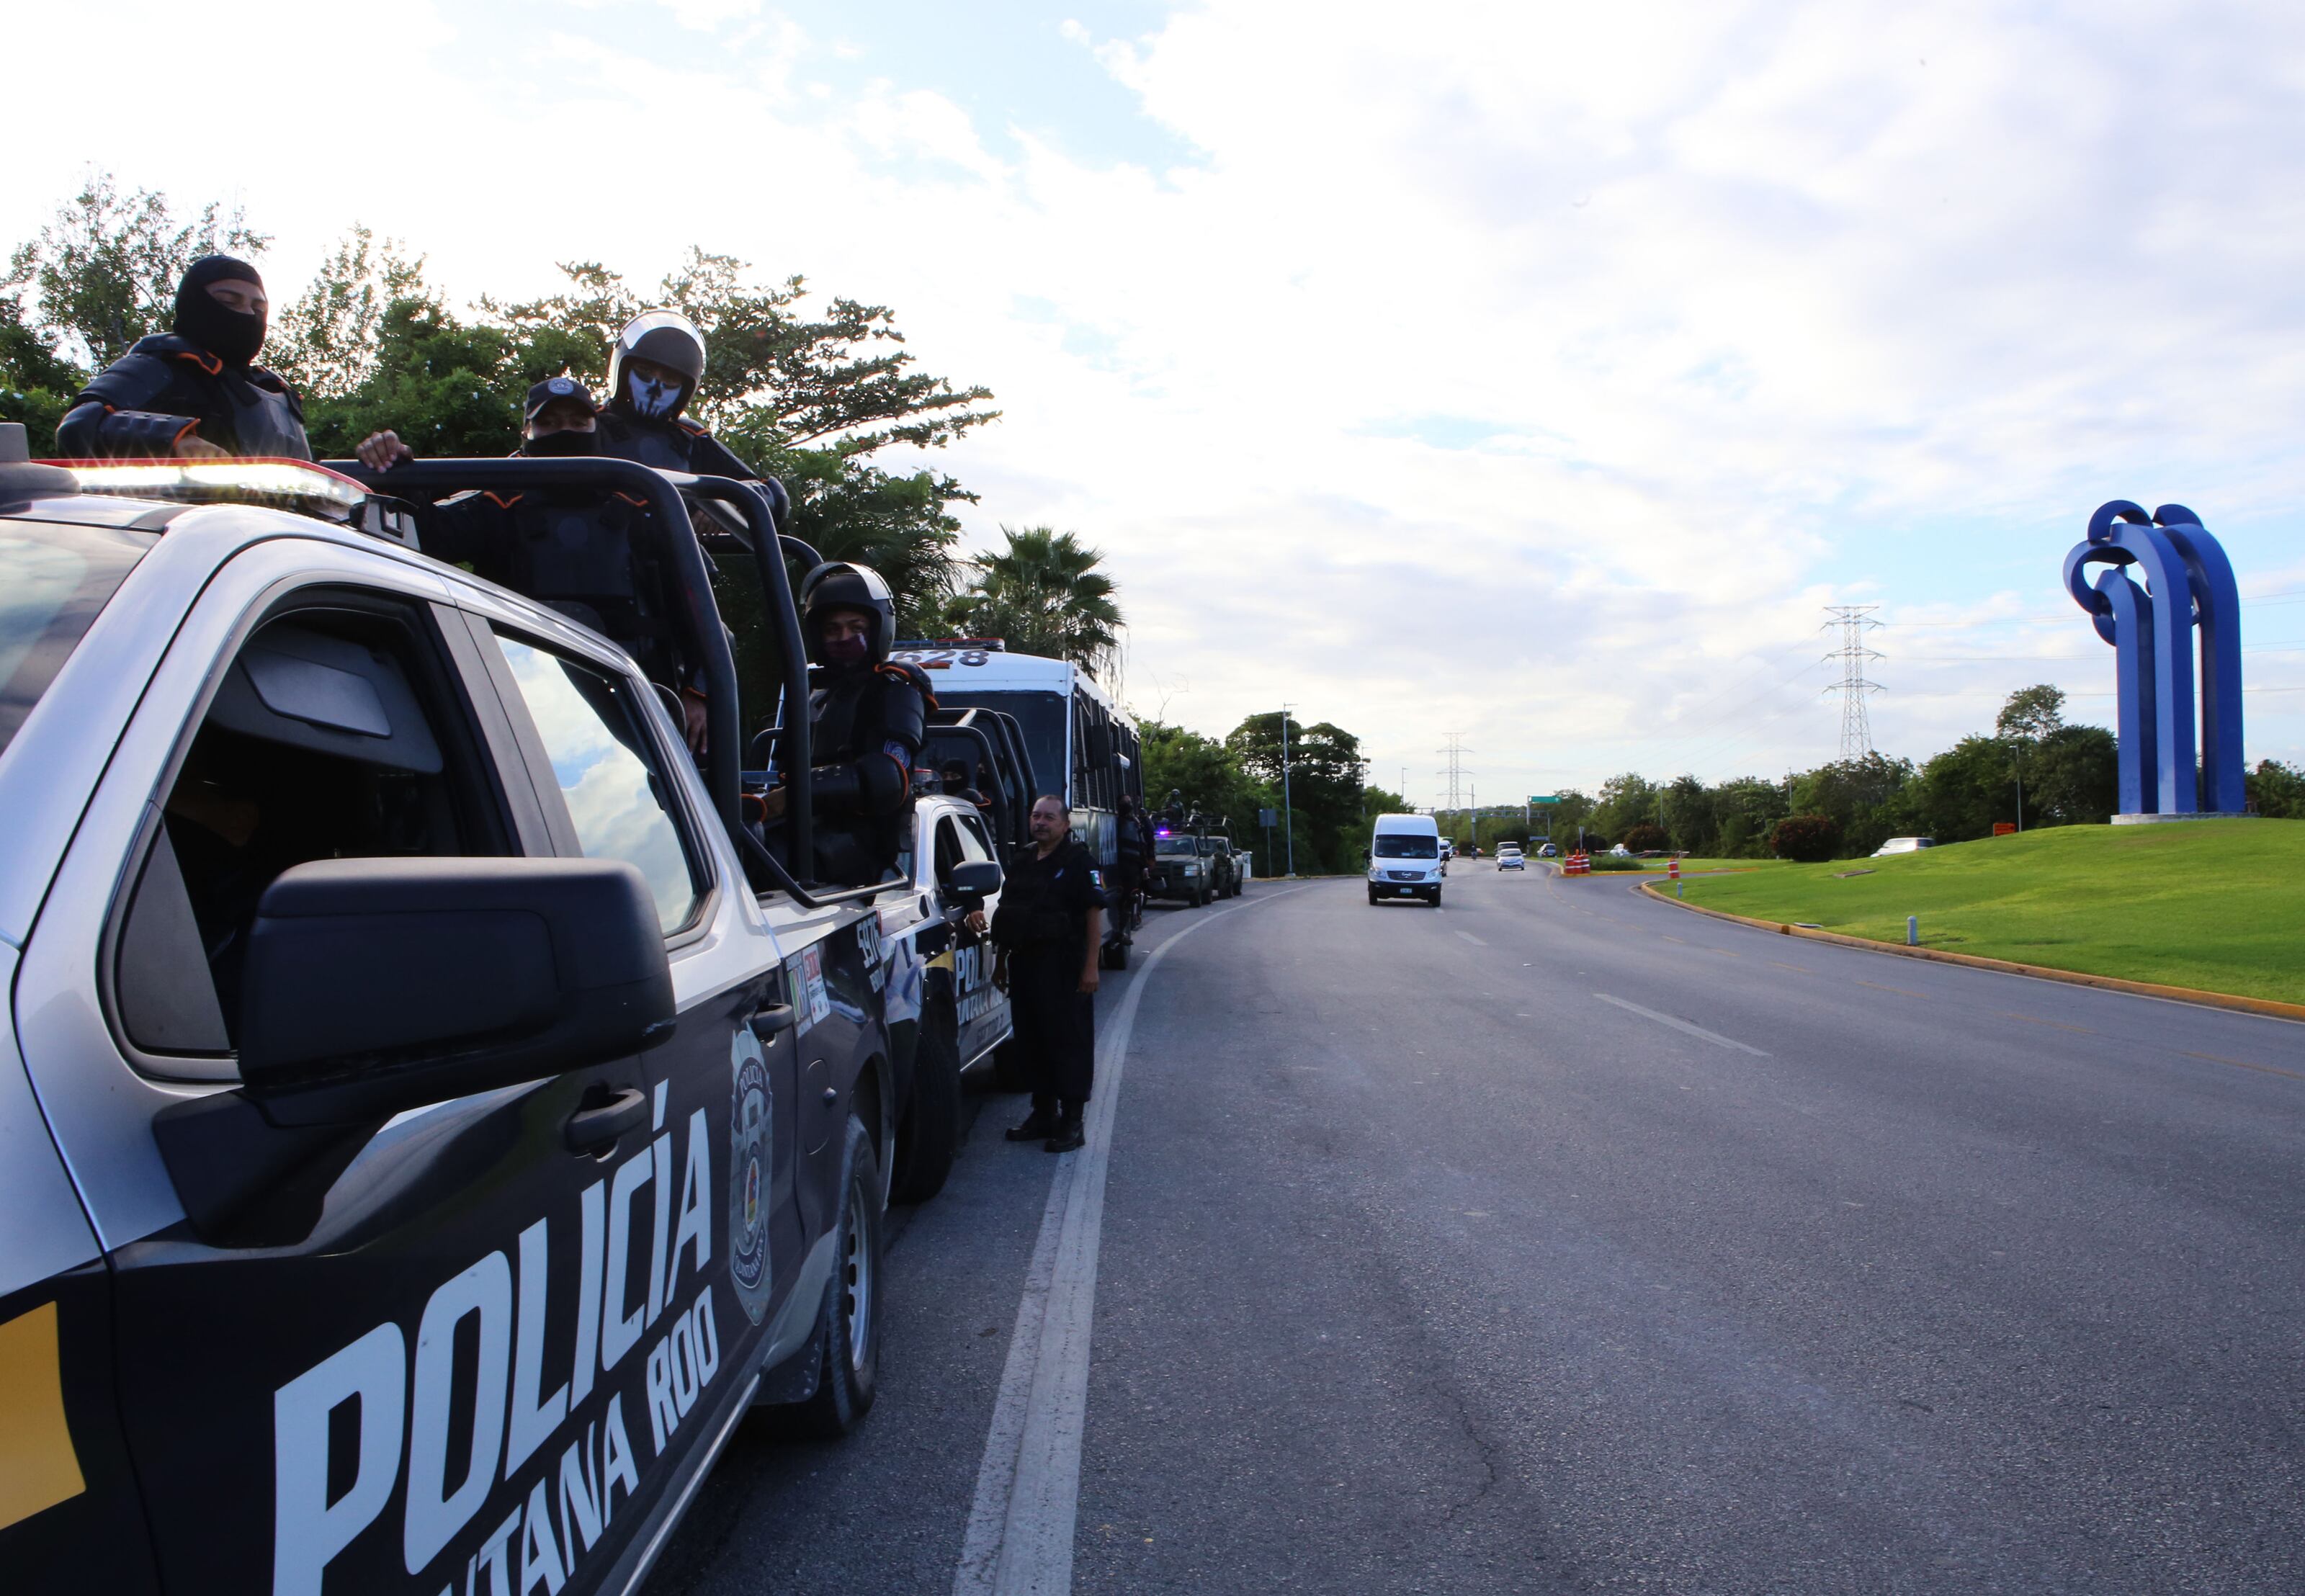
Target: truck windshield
1041 715
1174 847
54 581
1406 844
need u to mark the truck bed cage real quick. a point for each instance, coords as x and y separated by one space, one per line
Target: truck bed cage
668 495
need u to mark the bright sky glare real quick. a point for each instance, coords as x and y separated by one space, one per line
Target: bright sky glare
1533 370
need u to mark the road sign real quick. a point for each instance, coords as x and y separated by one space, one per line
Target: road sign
1544 798
1267 816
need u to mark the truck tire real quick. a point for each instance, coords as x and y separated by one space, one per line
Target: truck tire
851 1375
1373 897
1435 899
930 1132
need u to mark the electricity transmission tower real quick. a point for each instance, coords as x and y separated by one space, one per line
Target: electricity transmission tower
1855 620
1454 772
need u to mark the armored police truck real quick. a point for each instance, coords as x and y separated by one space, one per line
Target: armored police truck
430 1119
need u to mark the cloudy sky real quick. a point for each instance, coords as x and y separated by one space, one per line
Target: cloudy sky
1535 371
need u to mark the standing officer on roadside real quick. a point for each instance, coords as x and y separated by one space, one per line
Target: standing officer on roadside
1132 846
193 393
1047 934
584 553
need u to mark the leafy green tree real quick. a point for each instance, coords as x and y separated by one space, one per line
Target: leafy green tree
1808 839
1326 783
2031 713
1205 773
104 271
37 384
1626 801
2072 778
2278 790
1043 594
1962 792
1864 796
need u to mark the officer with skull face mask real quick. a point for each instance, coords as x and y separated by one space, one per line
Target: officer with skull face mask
195 392
653 373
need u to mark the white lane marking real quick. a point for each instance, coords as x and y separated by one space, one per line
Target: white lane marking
1698 1032
1468 937
1019 1541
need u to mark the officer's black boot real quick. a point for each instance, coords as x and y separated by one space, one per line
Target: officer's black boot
1042 1122
1069 1132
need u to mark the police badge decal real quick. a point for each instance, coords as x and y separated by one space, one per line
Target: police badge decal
750 1120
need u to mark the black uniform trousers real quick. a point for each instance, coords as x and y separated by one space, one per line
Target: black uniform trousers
1056 1024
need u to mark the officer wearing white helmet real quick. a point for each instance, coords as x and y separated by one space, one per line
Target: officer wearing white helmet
654 370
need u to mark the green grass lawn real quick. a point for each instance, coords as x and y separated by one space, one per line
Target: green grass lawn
2218 905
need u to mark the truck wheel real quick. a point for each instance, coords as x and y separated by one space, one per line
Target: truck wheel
1435 899
1373 897
851 1375
931 1129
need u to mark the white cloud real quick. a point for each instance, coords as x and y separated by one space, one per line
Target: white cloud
1535 371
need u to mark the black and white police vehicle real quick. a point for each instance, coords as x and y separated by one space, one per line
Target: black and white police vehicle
429 1120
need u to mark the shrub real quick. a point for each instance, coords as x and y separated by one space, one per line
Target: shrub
1646 838
1614 861
1806 839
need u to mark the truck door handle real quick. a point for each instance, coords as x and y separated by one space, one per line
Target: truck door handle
604 1123
769 1019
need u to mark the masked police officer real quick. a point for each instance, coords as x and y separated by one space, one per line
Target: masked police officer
653 373
868 717
194 392
1047 934
585 552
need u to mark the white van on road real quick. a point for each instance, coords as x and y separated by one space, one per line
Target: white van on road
1405 859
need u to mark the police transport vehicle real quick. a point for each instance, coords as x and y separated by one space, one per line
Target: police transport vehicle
1080 744
430 1121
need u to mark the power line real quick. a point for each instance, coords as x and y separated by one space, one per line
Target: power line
1855 620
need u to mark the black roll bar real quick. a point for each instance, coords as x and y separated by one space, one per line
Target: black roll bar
661 490
794 751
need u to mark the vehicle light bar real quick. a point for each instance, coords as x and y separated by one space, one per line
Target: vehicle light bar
296 483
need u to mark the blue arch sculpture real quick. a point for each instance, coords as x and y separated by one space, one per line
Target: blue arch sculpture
2188 587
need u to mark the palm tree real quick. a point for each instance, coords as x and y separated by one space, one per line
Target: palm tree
1042 594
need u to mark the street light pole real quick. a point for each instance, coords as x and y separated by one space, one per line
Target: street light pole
1287 812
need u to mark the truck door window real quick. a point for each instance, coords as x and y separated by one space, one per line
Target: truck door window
973 844
949 852
618 801
332 736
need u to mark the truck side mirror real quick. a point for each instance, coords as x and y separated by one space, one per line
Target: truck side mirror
375 986
971 883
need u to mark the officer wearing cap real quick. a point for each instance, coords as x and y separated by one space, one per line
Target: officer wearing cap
194 392
584 553
868 717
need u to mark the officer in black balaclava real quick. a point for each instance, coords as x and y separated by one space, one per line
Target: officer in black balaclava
867 719
654 372
193 393
585 552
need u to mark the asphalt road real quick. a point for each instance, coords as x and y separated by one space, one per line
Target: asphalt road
1563 1240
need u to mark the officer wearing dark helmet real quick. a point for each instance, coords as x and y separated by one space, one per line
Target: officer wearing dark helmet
194 392
585 552
868 718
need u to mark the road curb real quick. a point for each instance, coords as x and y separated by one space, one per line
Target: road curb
2267 1008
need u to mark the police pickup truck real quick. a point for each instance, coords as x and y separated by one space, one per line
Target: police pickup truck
428 1123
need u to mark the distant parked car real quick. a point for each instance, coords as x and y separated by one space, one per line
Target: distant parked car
1621 851
1904 844
1548 852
